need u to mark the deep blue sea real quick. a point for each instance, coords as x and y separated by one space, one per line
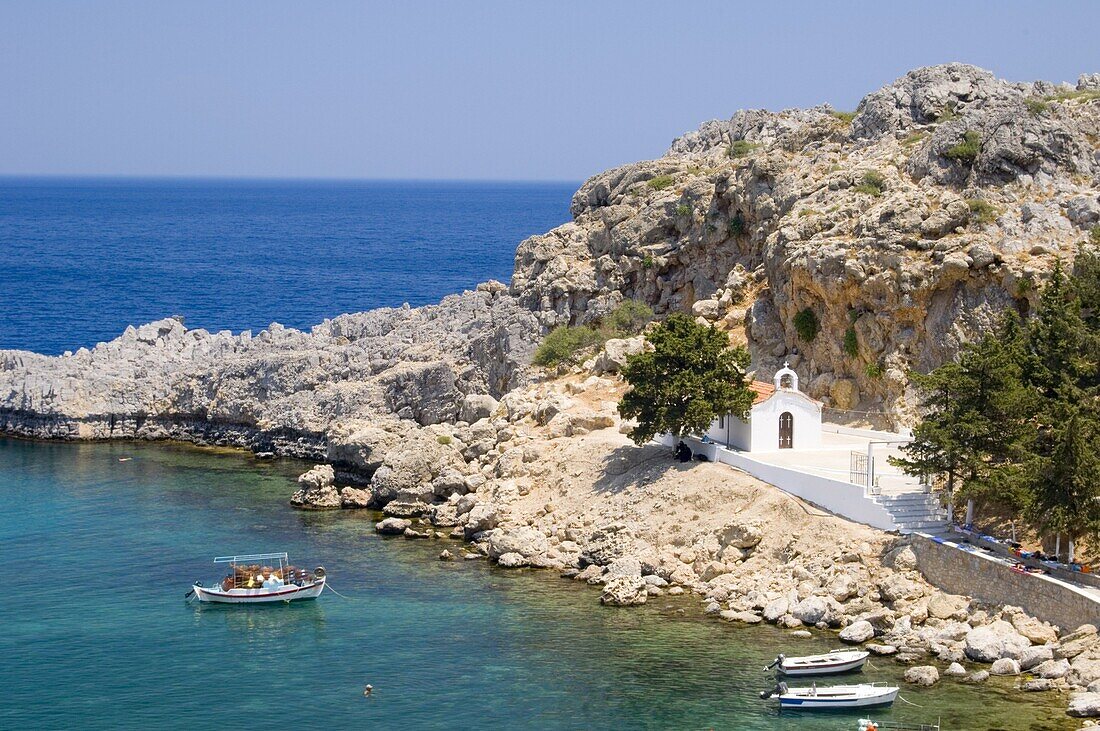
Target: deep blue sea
81 259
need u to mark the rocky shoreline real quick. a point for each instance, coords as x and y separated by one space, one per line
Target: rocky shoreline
899 239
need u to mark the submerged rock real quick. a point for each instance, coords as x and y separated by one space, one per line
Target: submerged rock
922 675
624 591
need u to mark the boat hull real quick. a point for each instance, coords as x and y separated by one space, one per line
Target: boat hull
795 670
823 701
260 596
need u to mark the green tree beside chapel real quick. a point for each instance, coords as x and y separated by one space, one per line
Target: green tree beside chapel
690 378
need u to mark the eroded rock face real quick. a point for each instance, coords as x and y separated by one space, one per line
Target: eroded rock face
282 390
901 261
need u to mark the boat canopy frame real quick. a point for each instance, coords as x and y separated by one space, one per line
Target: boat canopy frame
252 557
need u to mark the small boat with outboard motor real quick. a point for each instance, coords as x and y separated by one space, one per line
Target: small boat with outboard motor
259 578
832 696
829 663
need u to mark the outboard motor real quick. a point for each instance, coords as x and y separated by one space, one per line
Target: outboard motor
777 662
779 689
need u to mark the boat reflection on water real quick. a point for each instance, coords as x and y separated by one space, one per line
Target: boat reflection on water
272 622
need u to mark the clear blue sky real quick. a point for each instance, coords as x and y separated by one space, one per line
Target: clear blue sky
501 90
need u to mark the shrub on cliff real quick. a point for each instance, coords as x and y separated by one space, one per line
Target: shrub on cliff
737 224
807 325
981 211
739 148
873 183
563 344
629 318
660 182
967 150
851 343
690 378
566 344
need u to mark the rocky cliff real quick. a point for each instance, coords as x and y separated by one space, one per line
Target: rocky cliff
341 392
898 231
904 228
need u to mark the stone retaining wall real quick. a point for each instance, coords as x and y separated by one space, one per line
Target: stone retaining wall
975 574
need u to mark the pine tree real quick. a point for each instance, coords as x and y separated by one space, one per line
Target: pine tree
1063 486
1064 492
690 378
975 425
1060 341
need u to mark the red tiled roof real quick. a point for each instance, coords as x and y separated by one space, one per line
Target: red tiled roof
763 391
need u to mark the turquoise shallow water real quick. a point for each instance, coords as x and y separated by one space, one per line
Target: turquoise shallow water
97 633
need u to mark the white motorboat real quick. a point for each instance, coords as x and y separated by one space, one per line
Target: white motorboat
250 581
832 696
829 663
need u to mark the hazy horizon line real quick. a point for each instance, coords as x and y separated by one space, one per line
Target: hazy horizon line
107 177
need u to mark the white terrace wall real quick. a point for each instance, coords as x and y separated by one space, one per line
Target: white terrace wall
842 498
974 574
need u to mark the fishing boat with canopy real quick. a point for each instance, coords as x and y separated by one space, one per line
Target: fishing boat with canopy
258 578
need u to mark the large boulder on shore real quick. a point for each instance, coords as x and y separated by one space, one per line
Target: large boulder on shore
1084 705
811 610
1038 632
607 543
1005 666
776 608
525 541
947 606
991 642
1052 669
740 535
392 526
353 497
625 591
317 491
857 632
481 518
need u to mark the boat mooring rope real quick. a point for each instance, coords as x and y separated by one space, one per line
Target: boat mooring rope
902 699
329 587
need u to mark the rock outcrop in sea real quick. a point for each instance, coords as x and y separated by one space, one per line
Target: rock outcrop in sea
903 229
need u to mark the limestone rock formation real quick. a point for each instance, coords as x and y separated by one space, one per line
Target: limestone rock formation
944 202
318 491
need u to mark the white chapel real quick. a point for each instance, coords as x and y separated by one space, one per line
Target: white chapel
781 417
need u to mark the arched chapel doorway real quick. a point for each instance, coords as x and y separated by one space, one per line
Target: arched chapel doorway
786 430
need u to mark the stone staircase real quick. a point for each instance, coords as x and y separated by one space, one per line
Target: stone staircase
915 511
